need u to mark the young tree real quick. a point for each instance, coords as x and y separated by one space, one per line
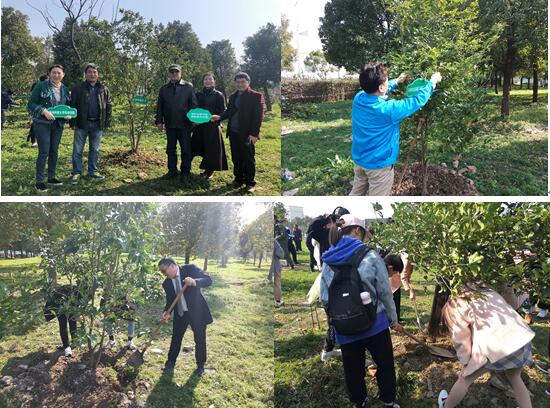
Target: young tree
224 62
446 37
465 242
262 58
260 235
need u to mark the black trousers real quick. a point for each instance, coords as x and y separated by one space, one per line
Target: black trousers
62 319
180 325
183 137
311 249
397 301
298 245
292 251
244 161
353 358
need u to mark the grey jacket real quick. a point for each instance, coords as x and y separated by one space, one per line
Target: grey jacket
374 276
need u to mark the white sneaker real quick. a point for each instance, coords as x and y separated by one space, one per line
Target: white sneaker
68 352
393 405
111 344
443 395
279 303
326 355
131 345
542 314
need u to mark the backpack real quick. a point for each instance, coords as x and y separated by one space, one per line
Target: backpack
346 311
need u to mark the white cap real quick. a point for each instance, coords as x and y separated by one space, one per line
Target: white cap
348 220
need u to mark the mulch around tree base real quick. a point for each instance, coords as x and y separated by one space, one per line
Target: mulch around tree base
441 182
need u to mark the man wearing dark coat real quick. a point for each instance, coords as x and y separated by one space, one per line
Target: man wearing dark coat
191 309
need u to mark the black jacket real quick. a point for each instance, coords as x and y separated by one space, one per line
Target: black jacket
199 312
80 96
58 297
173 103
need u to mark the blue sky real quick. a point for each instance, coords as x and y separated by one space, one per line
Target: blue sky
211 19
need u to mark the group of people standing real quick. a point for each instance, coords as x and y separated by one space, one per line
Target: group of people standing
93 103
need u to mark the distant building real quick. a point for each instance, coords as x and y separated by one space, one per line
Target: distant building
295 212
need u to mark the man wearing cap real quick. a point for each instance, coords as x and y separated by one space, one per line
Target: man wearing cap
245 113
175 99
92 101
191 309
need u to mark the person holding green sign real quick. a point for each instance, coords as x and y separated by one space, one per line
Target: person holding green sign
175 99
207 139
47 128
92 101
375 121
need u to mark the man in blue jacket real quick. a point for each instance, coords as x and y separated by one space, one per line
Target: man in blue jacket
375 128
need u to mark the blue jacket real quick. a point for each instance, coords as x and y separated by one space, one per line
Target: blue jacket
375 125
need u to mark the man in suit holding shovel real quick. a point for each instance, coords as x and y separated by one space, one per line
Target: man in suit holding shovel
191 309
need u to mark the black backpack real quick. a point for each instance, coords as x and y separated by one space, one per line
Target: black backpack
346 311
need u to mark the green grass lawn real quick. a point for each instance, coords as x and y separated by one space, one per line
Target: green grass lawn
240 344
302 380
511 155
137 175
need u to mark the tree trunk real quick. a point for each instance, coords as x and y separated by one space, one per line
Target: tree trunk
187 256
254 260
424 162
521 83
260 260
508 73
528 83
496 82
535 83
205 268
267 98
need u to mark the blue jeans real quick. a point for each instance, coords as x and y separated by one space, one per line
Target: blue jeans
183 136
131 328
48 137
94 133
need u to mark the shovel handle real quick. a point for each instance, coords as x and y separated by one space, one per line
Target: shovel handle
159 324
415 338
417 316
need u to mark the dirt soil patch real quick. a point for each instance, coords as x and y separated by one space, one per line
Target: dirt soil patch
126 158
441 182
62 382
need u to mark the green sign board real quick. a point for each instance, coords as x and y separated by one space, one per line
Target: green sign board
413 88
62 111
140 100
199 115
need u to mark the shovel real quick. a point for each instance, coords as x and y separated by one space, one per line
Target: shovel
418 324
136 359
435 350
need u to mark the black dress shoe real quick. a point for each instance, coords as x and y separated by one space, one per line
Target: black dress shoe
169 175
235 184
199 372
